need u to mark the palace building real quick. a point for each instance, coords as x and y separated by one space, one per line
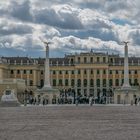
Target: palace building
87 73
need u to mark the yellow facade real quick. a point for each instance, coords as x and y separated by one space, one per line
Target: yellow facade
86 73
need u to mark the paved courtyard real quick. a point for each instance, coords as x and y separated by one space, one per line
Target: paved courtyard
70 123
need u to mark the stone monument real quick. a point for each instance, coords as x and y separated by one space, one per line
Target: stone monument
126 94
9 99
47 94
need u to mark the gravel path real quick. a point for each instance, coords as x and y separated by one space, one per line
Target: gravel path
70 123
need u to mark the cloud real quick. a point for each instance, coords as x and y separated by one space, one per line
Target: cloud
75 25
7 27
21 10
61 16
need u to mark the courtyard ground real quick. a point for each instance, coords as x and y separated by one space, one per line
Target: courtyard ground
70 123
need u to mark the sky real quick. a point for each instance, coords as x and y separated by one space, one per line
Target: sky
72 26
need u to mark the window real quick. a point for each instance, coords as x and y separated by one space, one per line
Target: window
66 72
41 72
78 59
91 72
60 82
98 82
31 82
104 71
18 71
31 71
85 59
71 61
79 83
98 72
136 82
41 83
91 82
117 82
72 82
66 82
53 72
110 72
12 72
122 71
129 72
85 72
117 72
104 59
135 72
54 82
130 82
110 82
91 59
79 72
122 81
111 60
98 59
72 72
60 72
85 82
104 82
24 71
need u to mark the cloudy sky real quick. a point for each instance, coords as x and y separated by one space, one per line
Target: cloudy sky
71 25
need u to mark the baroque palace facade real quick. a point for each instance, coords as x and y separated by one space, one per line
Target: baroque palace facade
87 74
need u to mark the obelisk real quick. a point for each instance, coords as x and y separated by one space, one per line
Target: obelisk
126 84
47 92
47 67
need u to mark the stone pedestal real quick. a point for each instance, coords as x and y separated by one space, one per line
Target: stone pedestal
126 96
47 96
9 99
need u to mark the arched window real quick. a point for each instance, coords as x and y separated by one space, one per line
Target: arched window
110 82
41 83
91 82
54 82
122 81
66 82
104 82
98 82
60 82
79 83
136 82
130 82
85 82
72 82
117 82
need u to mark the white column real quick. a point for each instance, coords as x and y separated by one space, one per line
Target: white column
95 84
120 78
82 79
47 69
126 74
101 79
75 81
132 79
88 81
